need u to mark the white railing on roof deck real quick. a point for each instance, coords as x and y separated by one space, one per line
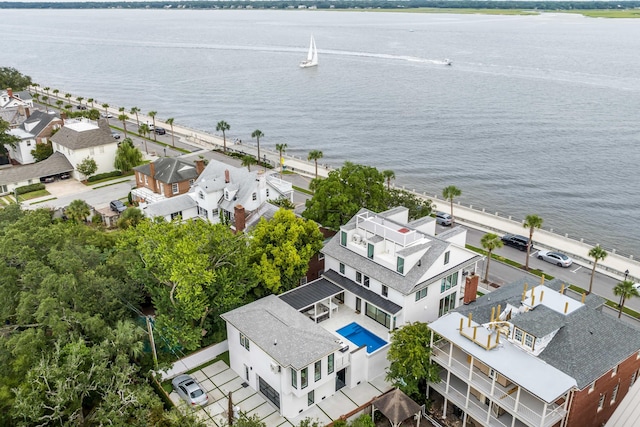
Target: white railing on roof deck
376 225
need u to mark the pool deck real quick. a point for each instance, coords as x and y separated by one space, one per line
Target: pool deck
345 315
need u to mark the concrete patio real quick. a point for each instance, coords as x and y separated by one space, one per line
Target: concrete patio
218 380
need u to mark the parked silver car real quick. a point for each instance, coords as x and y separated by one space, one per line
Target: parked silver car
557 258
443 218
189 390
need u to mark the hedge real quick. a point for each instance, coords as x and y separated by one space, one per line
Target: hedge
104 175
29 188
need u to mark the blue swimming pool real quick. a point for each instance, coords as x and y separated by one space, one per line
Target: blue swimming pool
361 336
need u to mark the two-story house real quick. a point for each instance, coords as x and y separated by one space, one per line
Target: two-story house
533 356
363 294
165 178
36 129
9 98
220 192
81 140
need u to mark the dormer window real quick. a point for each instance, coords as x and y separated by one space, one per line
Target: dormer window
400 265
226 195
528 340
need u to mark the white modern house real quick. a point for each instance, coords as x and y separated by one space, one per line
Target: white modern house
302 346
81 140
224 192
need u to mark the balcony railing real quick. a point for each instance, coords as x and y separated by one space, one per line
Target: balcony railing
503 396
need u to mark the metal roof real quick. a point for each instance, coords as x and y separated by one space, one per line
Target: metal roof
311 293
364 293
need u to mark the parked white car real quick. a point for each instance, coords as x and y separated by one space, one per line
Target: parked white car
189 390
557 258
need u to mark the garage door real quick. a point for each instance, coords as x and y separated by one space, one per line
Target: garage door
269 392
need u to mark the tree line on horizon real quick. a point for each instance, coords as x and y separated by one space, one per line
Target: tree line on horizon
324 4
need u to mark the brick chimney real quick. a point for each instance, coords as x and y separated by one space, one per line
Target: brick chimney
240 218
152 173
10 92
104 125
199 166
227 179
471 288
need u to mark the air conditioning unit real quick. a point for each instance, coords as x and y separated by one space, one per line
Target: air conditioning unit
357 238
275 368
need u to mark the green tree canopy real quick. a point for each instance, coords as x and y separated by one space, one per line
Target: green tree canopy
127 156
409 354
6 139
12 78
42 151
418 207
343 193
87 167
281 249
531 222
78 211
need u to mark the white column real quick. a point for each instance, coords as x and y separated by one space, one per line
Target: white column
444 408
515 408
471 368
544 414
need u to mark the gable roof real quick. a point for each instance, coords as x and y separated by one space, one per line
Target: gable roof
170 170
170 206
286 335
75 136
588 342
39 120
56 164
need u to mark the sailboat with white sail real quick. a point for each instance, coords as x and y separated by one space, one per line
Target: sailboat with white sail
312 55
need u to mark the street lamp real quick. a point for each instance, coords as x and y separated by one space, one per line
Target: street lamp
626 273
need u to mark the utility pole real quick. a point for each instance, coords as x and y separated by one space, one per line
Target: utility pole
153 342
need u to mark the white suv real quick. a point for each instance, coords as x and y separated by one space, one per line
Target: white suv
443 218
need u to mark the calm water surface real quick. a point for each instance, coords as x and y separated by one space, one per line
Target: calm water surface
536 115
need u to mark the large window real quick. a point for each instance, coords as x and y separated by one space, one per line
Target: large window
294 378
175 188
385 291
358 277
370 251
446 304
317 370
421 294
449 282
269 392
517 335
330 364
310 398
528 340
378 315
366 281
447 255
341 268
400 265
343 238
304 378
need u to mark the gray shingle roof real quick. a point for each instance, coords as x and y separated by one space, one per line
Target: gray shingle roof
170 170
405 284
588 343
75 140
364 293
56 164
286 335
41 120
311 293
539 322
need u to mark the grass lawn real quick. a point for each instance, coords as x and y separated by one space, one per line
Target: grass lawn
111 178
303 190
34 194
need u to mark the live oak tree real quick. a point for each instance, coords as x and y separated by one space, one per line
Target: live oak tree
418 207
195 272
343 193
281 249
12 78
410 368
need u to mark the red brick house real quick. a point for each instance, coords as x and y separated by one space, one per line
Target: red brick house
165 178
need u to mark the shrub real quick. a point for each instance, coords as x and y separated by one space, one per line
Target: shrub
105 175
29 188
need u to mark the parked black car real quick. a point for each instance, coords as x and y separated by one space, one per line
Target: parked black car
117 206
160 131
517 241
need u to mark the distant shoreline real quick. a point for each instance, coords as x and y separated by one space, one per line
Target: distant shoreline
591 9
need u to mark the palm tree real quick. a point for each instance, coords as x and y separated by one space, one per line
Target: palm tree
223 127
531 222
123 118
315 155
152 114
45 99
170 122
489 242
388 175
143 129
106 112
36 96
121 110
46 89
598 254
35 86
281 149
79 99
78 211
449 193
625 290
248 160
135 110
90 101
59 103
56 92
257 134
68 96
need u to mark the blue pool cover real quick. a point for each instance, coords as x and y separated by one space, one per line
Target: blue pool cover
361 336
